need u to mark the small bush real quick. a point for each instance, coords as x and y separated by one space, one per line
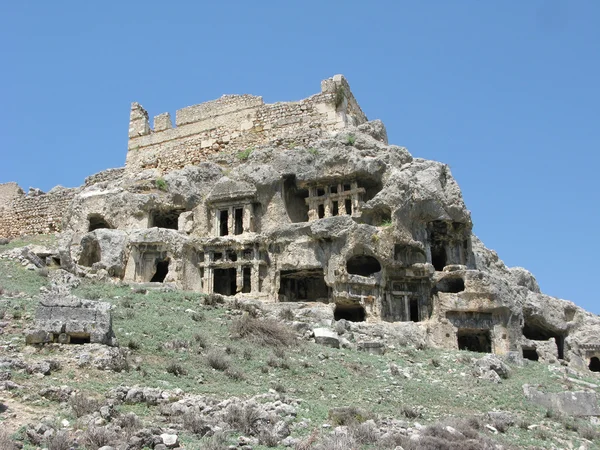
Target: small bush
286 314
218 361
279 352
213 300
348 415
242 418
176 369
177 344
198 317
235 374
337 441
193 422
82 404
4 241
129 314
2 310
133 345
17 314
411 412
126 303
350 139
217 441
279 387
313 151
59 441
268 438
130 423
161 184
200 340
436 362
263 331
589 433
386 223
96 437
230 350
247 354
364 433
244 154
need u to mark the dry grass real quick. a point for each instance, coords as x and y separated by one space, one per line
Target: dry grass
59 441
263 331
5 442
218 361
83 405
96 437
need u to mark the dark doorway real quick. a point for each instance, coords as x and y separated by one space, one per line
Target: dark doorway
537 333
239 221
452 285
225 281
303 285
247 284
321 211
594 364
363 265
166 218
531 354
335 210
79 338
348 206
414 309
350 312
162 269
438 257
295 199
96 222
474 340
223 222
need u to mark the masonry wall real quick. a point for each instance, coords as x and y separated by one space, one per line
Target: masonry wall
234 123
23 215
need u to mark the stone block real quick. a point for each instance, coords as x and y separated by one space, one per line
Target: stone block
326 337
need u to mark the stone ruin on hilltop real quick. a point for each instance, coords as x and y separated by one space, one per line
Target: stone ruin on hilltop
302 202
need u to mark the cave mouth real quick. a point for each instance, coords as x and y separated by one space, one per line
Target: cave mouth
96 222
166 218
594 364
535 332
363 265
530 354
349 312
474 340
79 338
452 285
295 199
225 281
303 285
162 269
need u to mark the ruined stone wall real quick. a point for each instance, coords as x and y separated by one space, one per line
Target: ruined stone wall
105 175
24 215
235 123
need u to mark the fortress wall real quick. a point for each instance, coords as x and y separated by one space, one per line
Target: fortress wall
234 123
23 215
105 175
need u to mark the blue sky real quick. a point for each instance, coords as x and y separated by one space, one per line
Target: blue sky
507 93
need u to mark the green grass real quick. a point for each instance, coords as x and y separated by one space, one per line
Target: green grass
243 155
161 184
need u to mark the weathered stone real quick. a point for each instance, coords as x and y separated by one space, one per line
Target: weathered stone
573 403
327 337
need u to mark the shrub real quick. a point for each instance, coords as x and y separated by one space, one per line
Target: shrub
213 300
348 415
218 441
410 412
436 362
337 441
263 331
133 345
176 369
161 184
192 421
247 354
279 387
242 418
386 223
589 433
129 314
364 433
126 303
235 374
59 441
17 314
4 241
176 344
2 310
313 151
200 340
130 423
218 361
198 317
268 438
350 139
286 314
82 404
96 437
244 154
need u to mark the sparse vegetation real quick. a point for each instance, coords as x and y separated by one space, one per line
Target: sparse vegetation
161 184
176 369
263 331
243 155
82 404
350 139
217 360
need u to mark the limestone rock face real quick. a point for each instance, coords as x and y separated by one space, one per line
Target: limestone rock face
308 203
68 319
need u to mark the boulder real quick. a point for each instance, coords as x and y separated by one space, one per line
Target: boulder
327 337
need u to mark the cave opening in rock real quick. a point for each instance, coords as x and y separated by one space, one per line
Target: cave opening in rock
239 221
351 312
335 210
166 218
223 222
246 280
413 305
162 269
295 200
363 265
474 340
594 364
303 285
321 211
90 252
536 332
438 256
348 206
96 222
79 338
452 285
225 281
531 354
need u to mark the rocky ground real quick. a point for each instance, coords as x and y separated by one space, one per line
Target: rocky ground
200 372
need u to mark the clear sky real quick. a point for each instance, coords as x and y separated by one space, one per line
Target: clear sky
505 92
